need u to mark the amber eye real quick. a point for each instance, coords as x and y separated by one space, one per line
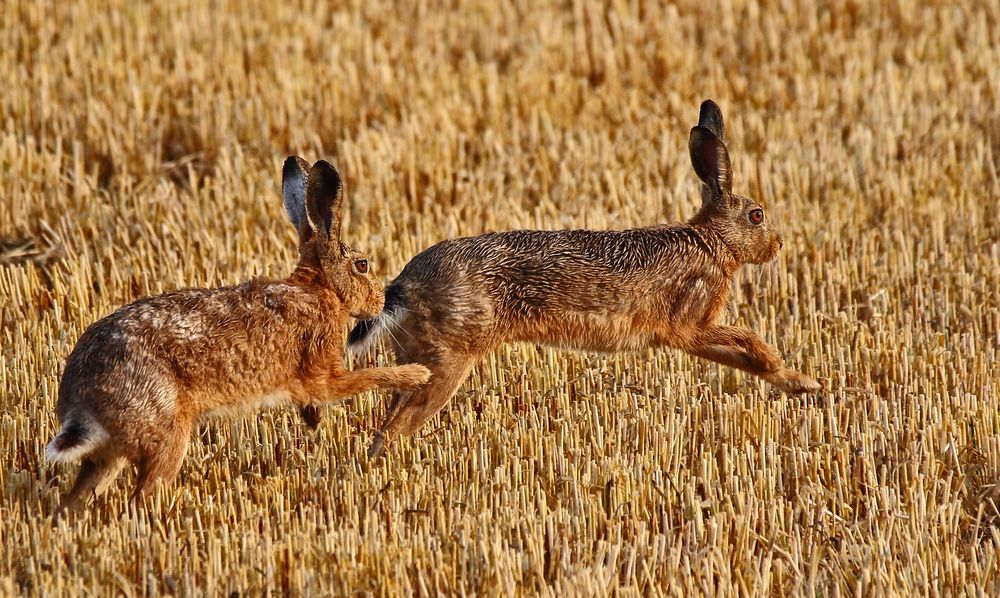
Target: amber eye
361 266
756 216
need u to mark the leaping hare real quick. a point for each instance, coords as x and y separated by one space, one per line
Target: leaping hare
584 289
139 379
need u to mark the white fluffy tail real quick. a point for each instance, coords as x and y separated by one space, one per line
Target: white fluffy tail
76 439
367 332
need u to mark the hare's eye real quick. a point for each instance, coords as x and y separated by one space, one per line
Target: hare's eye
361 266
756 216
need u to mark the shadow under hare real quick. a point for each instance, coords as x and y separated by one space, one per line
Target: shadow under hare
139 379
583 289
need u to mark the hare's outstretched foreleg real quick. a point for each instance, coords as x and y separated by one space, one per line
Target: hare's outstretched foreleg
357 381
348 383
409 410
743 349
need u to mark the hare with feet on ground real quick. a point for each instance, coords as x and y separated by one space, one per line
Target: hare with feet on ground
592 290
139 379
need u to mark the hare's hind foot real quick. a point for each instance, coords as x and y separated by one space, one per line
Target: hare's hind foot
96 474
793 382
377 448
410 409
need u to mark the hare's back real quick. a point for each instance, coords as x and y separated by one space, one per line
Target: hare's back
535 271
233 339
606 250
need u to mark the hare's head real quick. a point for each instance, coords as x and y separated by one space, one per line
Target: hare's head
740 221
314 197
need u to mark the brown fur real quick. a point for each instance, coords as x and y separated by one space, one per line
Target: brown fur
582 289
138 380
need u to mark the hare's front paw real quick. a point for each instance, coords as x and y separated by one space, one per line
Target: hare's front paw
794 382
411 376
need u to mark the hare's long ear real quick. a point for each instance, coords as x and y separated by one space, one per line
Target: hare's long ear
710 117
324 198
711 162
294 177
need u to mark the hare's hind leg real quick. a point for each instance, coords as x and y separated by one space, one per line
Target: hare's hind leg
162 458
410 410
743 349
96 474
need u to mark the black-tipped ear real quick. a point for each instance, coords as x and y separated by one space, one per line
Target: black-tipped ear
710 160
710 117
294 176
324 197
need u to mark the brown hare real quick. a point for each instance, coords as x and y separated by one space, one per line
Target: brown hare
139 379
583 289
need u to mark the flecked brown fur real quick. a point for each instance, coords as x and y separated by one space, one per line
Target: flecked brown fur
583 289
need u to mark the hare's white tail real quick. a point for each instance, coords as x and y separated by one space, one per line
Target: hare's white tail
76 439
366 332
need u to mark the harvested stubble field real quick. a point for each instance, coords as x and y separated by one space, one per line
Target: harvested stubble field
140 149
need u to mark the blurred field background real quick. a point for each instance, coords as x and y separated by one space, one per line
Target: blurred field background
141 144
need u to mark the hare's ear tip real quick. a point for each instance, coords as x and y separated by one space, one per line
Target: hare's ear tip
294 165
709 110
324 165
326 170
